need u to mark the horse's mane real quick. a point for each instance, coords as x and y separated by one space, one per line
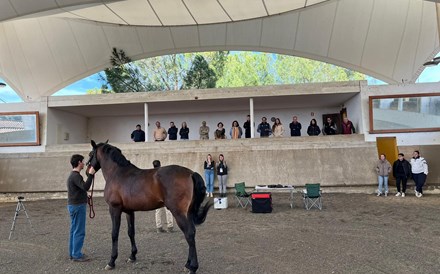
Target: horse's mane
115 155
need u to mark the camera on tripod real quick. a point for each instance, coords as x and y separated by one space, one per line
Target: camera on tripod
20 198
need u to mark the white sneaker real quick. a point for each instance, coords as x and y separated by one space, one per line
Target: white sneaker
207 194
378 194
416 193
398 194
419 195
386 194
403 194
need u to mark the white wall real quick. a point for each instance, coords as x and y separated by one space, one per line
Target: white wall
118 129
66 128
403 139
354 114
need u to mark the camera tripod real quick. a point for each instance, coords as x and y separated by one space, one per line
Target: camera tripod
20 206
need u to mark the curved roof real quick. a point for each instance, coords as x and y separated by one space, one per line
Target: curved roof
46 45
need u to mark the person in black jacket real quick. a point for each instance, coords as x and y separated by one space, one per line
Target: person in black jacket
222 175
172 132
264 128
247 127
330 127
313 129
401 171
295 127
184 132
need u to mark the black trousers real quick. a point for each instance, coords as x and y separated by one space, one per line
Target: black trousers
403 180
419 179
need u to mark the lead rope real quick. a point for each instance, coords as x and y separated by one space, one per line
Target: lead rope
90 201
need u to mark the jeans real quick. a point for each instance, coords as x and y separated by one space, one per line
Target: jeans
383 182
222 182
77 229
209 180
419 179
402 179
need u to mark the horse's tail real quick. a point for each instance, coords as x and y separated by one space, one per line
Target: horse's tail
199 211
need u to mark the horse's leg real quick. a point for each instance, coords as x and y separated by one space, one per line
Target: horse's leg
187 226
130 224
115 214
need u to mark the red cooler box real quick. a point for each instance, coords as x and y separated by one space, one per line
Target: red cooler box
261 202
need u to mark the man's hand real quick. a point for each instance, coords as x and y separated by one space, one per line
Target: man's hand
91 170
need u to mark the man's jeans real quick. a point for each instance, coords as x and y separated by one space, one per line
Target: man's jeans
383 182
77 229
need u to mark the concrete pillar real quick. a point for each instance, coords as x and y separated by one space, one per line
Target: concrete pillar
146 121
251 113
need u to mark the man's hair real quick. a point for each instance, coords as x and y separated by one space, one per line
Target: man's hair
401 154
75 159
156 163
417 152
138 125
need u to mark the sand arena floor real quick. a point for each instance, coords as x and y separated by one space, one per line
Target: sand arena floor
354 233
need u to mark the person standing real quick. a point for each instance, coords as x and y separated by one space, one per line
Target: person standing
295 127
220 132
419 169
313 129
184 132
277 128
222 175
204 131
160 211
76 206
347 126
138 135
172 132
235 131
383 169
247 127
401 171
264 128
330 127
209 166
159 133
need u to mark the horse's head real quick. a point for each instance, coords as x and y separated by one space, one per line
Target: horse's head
93 158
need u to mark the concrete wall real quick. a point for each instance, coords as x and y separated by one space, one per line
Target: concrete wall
329 160
66 128
354 113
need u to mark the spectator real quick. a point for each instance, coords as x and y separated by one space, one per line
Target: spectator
247 127
77 206
160 211
295 127
330 127
277 128
222 175
419 169
184 132
204 131
383 169
401 171
159 133
264 128
347 126
235 131
209 166
313 129
138 135
220 132
172 132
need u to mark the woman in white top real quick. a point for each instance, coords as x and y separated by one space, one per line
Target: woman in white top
277 128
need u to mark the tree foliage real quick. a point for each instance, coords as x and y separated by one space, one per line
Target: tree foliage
200 75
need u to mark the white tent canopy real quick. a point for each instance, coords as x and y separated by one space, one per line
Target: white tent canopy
47 45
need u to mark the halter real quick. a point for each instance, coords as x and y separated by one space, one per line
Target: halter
90 197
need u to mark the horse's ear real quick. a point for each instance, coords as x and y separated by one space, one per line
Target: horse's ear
106 141
93 144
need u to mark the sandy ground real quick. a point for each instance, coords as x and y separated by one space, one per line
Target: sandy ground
354 233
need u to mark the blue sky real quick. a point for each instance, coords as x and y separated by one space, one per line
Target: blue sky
7 95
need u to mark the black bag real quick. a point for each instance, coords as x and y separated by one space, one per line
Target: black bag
261 202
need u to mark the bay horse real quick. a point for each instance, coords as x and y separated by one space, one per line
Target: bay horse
129 189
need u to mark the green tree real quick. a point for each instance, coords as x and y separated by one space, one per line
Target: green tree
200 75
124 76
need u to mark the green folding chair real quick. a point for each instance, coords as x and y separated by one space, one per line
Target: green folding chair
312 196
242 197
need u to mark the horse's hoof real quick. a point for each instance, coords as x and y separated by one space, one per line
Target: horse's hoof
130 260
107 267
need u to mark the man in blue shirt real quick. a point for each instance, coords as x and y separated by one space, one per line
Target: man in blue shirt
264 128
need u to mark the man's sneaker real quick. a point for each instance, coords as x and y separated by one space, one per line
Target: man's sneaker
378 194
403 194
419 195
160 230
386 194
84 258
416 193
398 194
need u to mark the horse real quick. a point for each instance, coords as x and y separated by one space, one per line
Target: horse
129 189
